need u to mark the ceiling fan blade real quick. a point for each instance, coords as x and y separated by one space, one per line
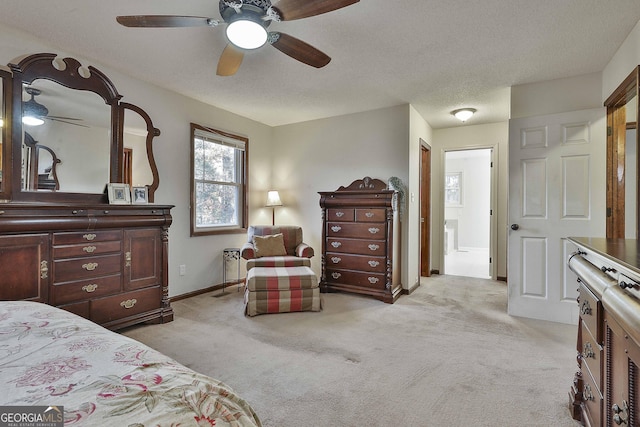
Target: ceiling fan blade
63 118
165 21
297 49
298 9
230 61
53 119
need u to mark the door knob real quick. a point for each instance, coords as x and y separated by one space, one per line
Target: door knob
515 226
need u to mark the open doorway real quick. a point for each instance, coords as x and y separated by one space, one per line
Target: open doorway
467 213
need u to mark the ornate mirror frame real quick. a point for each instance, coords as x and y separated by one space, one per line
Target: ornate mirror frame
5 135
72 76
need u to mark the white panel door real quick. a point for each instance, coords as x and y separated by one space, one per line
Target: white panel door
557 189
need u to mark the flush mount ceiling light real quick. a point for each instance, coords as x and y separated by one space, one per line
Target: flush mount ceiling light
463 114
247 31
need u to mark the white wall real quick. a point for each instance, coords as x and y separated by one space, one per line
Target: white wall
623 62
172 113
322 155
493 135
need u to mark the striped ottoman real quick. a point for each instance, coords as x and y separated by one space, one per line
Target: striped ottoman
281 290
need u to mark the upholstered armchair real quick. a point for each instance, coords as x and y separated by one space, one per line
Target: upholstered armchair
276 246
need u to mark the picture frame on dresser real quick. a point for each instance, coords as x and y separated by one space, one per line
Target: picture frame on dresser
139 195
119 194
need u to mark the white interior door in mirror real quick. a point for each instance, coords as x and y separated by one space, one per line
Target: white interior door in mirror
135 139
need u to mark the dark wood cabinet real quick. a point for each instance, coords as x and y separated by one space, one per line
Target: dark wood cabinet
105 263
606 389
360 240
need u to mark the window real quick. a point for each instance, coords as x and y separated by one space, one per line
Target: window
218 181
453 189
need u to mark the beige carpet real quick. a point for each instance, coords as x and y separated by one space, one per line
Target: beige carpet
446 355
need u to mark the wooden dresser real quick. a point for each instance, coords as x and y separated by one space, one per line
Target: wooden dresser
107 263
360 240
606 388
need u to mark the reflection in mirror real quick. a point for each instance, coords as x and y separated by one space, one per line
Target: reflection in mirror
631 170
43 164
2 129
135 145
76 126
139 166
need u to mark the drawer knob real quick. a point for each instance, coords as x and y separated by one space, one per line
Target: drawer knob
89 249
336 260
374 230
586 393
44 269
340 214
373 263
374 247
336 275
106 212
90 266
89 237
90 288
336 244
625 285
621 413
369 214
336 228
373 280
588 351
128 303
586 308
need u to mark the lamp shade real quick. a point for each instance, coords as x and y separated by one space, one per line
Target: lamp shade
273 199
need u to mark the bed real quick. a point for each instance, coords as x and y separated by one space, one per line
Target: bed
51 357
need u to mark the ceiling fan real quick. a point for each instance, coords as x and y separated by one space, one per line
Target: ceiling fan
247 22
34 113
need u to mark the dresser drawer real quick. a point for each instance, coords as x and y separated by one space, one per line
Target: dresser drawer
86 236
352 246
591 312
340 215
63 293
127 304
592 355
371 215
356 262
69 270
368 280
592 399
357 230
86 249
80 308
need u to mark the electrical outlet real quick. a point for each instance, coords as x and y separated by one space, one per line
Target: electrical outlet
183 269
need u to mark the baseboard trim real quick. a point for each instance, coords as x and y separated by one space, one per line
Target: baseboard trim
501 278
435 271
203 291
411 289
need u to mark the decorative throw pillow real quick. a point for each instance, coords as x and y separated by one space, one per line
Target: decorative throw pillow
271 245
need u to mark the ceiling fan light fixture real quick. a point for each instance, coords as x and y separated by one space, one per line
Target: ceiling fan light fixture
247 32
32 121
463 114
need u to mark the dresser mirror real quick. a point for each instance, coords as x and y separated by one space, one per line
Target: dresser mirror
73 135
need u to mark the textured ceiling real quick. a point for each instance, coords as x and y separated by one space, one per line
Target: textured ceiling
436 55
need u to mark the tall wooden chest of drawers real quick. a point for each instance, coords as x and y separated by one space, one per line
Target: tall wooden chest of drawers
361 240
107 263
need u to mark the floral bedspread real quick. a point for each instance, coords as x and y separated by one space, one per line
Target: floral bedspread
54 358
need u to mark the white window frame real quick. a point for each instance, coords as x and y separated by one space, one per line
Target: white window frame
241 145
